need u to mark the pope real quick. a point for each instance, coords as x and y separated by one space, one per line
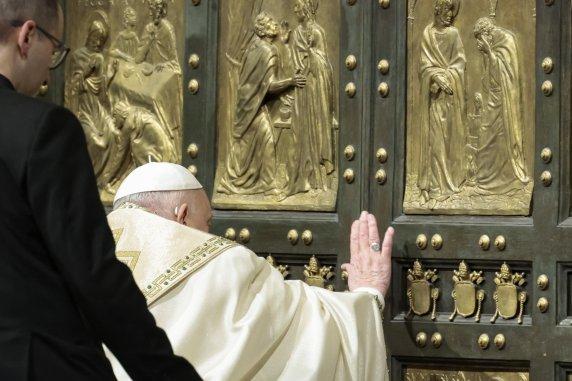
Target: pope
228 311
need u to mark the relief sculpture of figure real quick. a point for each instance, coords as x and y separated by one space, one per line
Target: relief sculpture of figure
158 45
86 95
251 164
442 165
314 115
126 43
501 165
157 52
147 138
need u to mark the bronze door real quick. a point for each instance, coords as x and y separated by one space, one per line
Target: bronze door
451 125
477 128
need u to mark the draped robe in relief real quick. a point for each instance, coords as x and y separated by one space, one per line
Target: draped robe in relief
87 97
251 163
501 166
148 139
313 119
126 44
158 46
231 314
442 167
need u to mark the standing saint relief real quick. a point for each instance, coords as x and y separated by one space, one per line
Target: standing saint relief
458 161
278 117
443 136
124 83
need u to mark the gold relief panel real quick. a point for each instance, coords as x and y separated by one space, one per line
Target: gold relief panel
277 105
470 114
425 374
124 83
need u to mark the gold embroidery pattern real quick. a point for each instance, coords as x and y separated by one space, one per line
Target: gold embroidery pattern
130 258
117 234
186 266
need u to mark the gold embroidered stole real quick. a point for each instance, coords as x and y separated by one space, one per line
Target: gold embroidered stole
159 252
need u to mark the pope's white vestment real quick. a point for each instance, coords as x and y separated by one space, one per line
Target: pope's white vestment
233 317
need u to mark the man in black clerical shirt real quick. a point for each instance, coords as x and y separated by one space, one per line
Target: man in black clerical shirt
62 291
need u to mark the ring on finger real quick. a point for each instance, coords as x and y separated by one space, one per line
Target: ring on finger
375 246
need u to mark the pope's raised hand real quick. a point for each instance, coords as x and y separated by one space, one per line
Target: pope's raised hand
370 262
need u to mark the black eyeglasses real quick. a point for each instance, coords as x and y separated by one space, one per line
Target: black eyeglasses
60 49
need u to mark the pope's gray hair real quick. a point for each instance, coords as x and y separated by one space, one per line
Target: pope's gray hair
160 202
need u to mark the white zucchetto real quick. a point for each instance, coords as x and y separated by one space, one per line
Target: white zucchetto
157 177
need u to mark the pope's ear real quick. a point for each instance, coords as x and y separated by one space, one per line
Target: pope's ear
182 212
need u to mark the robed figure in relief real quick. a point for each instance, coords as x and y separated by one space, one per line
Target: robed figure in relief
87 97
251 164
314 116
442 168
501 165
158 50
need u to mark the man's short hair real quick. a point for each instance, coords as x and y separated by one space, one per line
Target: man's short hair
122 108
440 4
483 25
43 12
261 23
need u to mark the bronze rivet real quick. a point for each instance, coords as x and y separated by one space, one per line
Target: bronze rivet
421 242
484 341
381 176
351 90
244 235
547 65
548 2
229 234
384 4
421 339
437 242
542 304
293 236
547 88
485 242
542 282
196 2
383 66
383 89
307 237
349 152
381 155
546 155
500 243
546 178
349 175
193 169
351 62
193 86
436 339
194 60
500 341
193 150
